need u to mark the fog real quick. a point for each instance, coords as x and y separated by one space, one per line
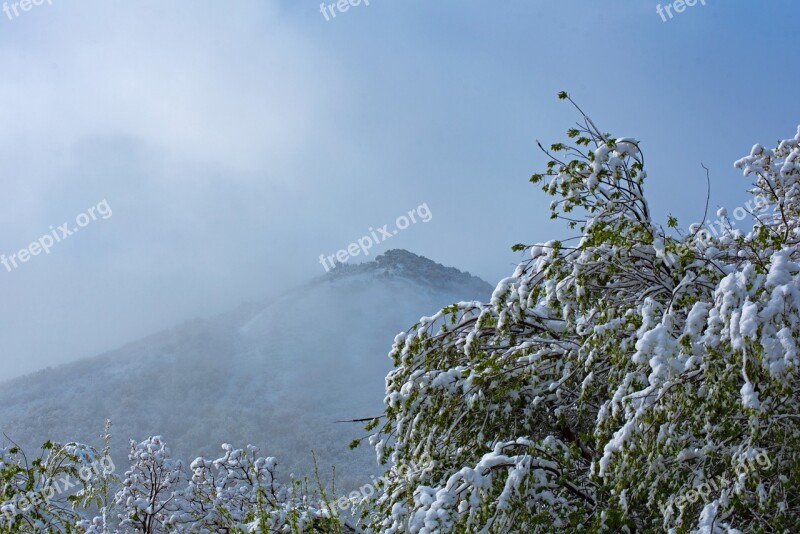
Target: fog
285 374
233 144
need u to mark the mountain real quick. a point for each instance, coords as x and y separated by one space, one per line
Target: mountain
276 374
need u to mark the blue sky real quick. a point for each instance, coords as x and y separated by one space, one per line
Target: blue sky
237 142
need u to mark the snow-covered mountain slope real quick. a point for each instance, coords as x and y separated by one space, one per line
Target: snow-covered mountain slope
275 374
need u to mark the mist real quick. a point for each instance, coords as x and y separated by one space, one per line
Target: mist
236 144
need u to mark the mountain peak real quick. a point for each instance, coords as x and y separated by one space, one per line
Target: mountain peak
400 263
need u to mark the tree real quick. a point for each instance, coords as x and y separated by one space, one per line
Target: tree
149 489
236 493
633 378
239 492
43 494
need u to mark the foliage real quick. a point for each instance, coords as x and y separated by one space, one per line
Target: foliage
609 378
235 493
43 494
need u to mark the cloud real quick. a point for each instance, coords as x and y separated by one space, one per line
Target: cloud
191 127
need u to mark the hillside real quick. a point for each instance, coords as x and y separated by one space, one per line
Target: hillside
275 373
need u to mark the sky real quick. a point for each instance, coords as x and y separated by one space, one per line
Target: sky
209 153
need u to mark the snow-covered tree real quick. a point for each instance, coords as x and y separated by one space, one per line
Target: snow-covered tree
634 378
222 492
236 493
240 491
149 490
44 493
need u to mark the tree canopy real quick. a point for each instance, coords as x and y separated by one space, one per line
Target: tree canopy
634 378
